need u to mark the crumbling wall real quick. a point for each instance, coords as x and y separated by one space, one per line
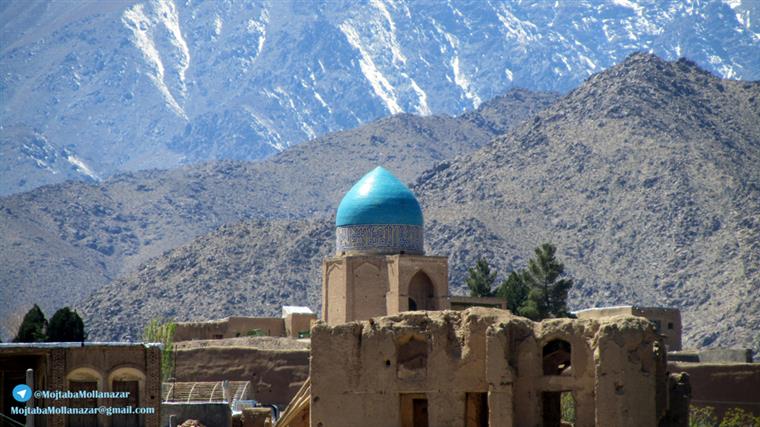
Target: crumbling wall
373 372
626 368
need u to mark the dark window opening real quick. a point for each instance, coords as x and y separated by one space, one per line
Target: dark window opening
412 305
557 357
657 326
476 410
411 359
670 325
558 409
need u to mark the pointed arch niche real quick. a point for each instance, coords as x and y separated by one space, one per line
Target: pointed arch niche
421 292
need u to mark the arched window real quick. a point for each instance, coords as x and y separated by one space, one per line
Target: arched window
421 292
556 357
83 379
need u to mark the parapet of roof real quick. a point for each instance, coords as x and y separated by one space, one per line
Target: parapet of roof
612 307
295 309
625 307
11 345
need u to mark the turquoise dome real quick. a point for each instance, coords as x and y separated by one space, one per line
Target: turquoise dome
379 198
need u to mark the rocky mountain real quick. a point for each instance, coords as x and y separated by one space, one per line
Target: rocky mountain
93 88
62 241
647 177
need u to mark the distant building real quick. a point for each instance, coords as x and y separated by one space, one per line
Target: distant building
666 321
457 302
294 323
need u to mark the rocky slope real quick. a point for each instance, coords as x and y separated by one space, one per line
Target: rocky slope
124 85
647 177
60 242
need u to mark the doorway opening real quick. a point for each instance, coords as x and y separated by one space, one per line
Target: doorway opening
558 408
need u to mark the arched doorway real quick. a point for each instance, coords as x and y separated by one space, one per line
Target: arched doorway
421 292
83 379
131 381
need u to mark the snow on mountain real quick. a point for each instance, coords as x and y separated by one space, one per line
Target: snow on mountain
125 85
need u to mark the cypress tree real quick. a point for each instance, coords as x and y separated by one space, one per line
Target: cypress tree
66 326
33 326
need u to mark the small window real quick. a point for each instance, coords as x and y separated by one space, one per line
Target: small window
657 325
218 336
670 325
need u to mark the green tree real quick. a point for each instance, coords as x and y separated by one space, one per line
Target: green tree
481 279
547 295
33 326
66 326
156 331
514 290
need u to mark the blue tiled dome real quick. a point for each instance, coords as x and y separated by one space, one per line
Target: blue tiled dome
379 198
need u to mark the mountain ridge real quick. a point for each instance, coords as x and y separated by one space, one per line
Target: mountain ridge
130 85
64 240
